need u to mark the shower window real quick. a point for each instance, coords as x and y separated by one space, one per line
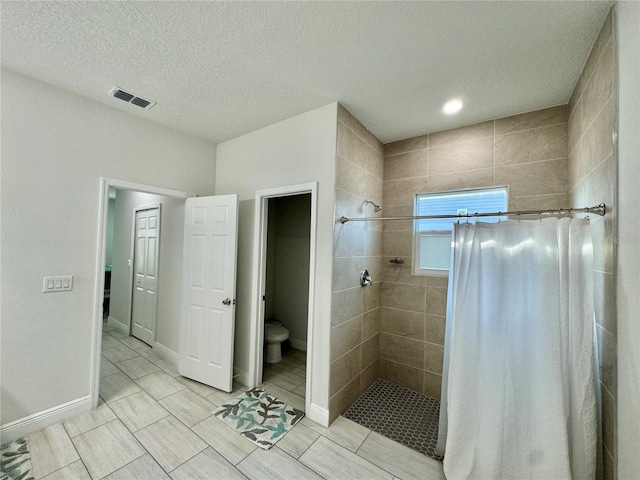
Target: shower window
432 238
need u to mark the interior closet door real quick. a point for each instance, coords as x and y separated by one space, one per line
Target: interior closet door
208 290
145 274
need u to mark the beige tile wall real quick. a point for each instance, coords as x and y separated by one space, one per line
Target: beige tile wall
528 152
355 311
592 180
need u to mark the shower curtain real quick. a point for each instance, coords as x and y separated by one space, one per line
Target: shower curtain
518 394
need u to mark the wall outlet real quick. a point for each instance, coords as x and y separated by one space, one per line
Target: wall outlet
57 284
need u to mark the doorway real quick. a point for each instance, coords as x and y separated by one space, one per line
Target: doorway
284 272
121 299
286 299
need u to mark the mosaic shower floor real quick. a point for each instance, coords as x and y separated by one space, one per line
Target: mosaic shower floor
399 414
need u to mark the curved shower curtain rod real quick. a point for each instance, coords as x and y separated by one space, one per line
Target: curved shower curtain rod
597 210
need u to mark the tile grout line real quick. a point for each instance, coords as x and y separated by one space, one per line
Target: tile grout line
590 173
494 151
358 135
586 128
414 339
528 129
117 419
494 135
410 366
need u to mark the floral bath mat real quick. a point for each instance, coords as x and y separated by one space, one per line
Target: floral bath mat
15 461
259 417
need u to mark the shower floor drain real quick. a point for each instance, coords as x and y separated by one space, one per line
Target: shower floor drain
399 414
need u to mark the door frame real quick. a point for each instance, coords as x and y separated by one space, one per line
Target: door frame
103 208
259 277
132 279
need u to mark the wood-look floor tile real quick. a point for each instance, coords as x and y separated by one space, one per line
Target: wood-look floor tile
399 460
189 407
150 354
170 442
109 342
301 370
207 465
143 468
200 388
335 462
347 433
316 427
274 464
133 343
159 385
288 362
144 350
137 367
166 365
89 420
297 440
138 411
284 395
299 355
51 449
107 448
115 332
73 471
225 440
219 397
301 390
282 378
107 368
119 354
115 387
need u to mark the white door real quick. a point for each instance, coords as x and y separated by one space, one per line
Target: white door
145 274
208 290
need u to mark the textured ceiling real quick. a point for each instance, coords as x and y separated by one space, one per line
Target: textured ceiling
222 69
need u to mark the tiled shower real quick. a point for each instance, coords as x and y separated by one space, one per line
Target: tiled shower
551 158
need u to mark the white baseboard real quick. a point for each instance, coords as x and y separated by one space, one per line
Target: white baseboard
299 344
113 322
166 352
318 414
37 421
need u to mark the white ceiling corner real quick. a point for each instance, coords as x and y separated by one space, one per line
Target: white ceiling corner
221 69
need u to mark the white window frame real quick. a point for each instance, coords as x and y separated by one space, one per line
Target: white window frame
431 272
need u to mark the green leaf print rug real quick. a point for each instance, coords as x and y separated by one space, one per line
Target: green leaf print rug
16 461
259 417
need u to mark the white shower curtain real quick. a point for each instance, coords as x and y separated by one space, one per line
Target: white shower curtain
518 394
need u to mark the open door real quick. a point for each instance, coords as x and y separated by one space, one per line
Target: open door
208 290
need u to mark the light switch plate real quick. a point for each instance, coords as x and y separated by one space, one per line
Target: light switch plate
57 284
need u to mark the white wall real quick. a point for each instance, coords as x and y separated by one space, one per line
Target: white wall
628 265
170 263
297 150
55 147
289 298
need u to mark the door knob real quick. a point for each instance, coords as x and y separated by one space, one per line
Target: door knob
226 301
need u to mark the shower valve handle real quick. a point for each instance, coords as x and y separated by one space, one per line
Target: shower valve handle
365 278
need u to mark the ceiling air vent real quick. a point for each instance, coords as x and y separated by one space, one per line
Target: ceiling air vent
130 98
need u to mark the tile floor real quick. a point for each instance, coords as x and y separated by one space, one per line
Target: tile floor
400 414
154 424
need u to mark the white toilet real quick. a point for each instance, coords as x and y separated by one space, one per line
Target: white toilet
274 335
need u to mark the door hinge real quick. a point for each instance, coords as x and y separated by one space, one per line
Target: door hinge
264 297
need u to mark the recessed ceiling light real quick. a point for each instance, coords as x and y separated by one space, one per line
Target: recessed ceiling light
452 106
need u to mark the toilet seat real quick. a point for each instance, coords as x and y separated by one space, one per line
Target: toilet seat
275 333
